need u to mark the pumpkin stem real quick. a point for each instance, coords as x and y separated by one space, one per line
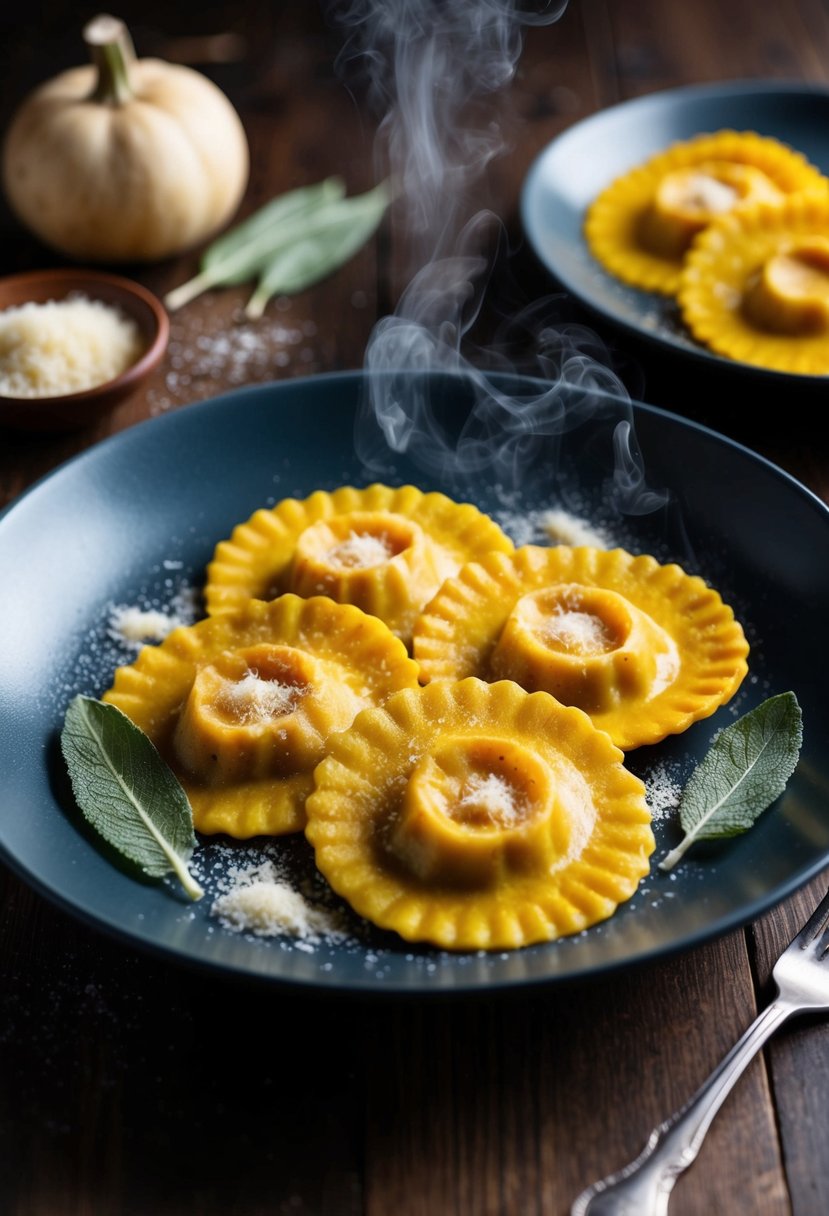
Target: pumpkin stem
111 50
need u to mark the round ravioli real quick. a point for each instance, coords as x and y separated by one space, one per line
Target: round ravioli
756 286
385 549
645 649
641 226
478 816
241 705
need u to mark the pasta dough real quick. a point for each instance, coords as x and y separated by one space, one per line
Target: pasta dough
386 550
241 705
478 816
641 226
755 286
645 649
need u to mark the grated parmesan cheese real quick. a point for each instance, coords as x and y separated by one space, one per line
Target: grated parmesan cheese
495 797
701 192
64 346
267 909
359 551
255 700
562 528
134 626
261 902
578 632
140 624
664 792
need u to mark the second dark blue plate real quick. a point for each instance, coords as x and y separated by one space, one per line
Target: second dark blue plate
571 171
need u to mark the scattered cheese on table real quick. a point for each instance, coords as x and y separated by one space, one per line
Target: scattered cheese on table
64 346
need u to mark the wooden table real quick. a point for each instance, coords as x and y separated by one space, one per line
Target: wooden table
133 1086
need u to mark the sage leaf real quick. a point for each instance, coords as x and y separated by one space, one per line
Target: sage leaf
333 235
127 792
240 253
747 767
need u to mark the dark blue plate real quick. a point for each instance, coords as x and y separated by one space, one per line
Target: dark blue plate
572 170
135 519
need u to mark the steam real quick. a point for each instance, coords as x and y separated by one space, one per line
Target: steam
433 70
429 68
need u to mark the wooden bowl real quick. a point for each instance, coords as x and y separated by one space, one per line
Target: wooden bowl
71 411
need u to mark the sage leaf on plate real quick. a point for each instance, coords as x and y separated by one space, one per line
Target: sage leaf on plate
127 792
240 253
333 234
747 767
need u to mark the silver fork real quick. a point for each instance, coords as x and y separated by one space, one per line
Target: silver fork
643 1188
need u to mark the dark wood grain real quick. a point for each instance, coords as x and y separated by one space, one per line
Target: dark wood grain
132 1086
516 1105
799 1060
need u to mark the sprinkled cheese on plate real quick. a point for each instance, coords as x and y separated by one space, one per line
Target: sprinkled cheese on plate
562 528
134 625
64 346
138 625
664 792
268 908
261 902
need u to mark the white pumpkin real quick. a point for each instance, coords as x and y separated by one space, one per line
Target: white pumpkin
125 159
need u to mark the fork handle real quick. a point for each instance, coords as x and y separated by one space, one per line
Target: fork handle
643 1187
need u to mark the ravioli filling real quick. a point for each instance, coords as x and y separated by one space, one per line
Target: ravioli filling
475 810
588 646
688 199
789 294
250 714
371 559
336 553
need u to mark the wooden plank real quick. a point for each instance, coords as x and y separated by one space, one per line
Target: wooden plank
133 1086
799 1062
658 46
515 1105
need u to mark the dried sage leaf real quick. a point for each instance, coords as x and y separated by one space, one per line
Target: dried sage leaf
127 792
747 768
240 253
332 236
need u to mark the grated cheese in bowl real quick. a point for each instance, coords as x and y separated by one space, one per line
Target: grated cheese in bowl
64 346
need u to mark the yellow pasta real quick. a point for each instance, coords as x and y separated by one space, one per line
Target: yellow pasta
641 226
755 286
241 705
478 816
445 716
644 648
385 549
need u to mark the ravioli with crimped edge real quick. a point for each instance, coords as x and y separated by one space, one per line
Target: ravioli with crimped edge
755 286
645 649
241 705
641 226
478 816
385 549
